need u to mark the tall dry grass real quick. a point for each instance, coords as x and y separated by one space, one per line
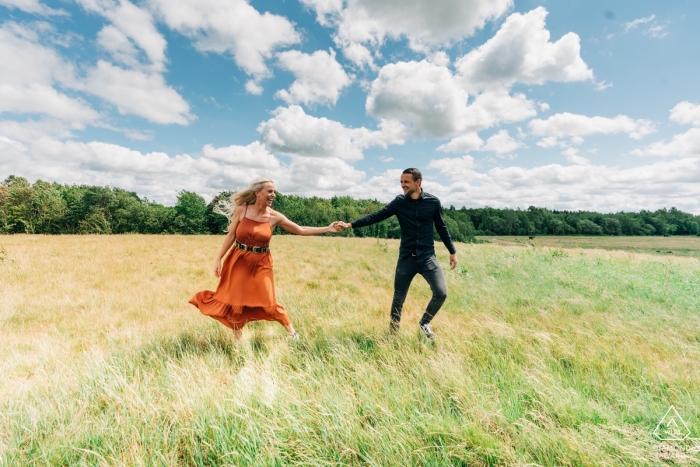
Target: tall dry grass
544 357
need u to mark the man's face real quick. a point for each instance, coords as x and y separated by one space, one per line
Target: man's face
408 185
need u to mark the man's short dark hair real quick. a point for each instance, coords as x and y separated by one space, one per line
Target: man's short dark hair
415 173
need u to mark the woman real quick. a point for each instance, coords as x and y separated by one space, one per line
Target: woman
246 290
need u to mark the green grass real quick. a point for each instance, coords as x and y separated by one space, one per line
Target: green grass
544 357
677 246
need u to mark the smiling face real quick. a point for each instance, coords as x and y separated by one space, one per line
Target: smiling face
409 186
266 195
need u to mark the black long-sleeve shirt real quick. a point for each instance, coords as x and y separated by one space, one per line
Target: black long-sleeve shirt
416 218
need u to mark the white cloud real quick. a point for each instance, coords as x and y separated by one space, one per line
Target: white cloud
119 46
543 106
41 99
425 24
319 77
254 88
655 30
160 177
31 130
253 155
493 107
29 73
430 100
550 142
633 24
230 26
462 169
421 94
579 186
573 156
686 112
129 22
567 124
293 132
682 145
138 93
602 86
502 143
32 6
521 52
462 143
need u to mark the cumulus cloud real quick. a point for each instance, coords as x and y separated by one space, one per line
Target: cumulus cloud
521 52
129 23
435 103
425 24
319 77
550 142
498 106
574 157
502 143
463 143
685 112
135 92
292 132
429 99
421 94
578 186
30 74
567 124
230 26
32 6
160 176
682 145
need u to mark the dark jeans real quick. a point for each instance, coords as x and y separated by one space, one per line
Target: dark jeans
406 270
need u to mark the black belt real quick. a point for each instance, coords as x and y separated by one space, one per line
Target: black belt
254 249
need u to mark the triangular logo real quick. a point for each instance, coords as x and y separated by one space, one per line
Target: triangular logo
672 427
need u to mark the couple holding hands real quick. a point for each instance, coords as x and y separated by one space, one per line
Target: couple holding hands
246 289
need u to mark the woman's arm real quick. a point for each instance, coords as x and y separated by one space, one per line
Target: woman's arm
277 218
228 239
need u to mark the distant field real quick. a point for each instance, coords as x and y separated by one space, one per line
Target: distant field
679 246
544 357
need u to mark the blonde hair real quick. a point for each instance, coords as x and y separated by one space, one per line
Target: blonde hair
227 206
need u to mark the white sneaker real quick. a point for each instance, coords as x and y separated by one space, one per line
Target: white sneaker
427 330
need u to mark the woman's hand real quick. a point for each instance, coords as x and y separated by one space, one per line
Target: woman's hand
336 226
217 267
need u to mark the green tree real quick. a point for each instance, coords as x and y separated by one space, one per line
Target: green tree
611 226
191 214
588 227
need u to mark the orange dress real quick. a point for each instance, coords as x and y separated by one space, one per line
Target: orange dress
246 291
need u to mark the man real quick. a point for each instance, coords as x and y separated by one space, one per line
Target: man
416 212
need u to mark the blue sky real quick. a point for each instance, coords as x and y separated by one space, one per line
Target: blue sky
568 105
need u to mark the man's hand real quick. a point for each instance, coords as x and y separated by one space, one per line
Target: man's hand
336 226
453 261
345 225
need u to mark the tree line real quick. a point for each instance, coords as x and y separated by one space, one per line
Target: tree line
53 208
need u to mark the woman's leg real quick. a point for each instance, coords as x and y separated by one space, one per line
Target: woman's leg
237 334
291 333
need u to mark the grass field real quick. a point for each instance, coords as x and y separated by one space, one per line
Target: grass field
678 246
545 356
